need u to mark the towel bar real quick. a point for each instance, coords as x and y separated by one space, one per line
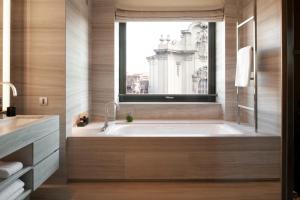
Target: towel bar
246 107
253 77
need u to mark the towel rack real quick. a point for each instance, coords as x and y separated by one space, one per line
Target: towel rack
239 106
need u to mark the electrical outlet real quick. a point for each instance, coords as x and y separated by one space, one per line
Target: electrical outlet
43 101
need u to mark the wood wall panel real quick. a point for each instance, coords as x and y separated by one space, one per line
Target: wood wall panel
171 111
230 59
39 53
269 66
269 190
78 66
102 58
157 158
268 62
220 64
1 36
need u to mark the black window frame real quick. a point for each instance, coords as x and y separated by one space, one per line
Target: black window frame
210 97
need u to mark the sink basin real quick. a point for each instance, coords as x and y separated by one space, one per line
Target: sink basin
19 121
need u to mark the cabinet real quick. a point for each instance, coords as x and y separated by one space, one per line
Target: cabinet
36 145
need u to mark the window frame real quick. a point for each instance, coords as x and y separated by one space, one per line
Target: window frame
210 97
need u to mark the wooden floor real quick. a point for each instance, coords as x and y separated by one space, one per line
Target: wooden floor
160 191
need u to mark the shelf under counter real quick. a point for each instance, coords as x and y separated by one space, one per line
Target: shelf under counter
24 195
6 182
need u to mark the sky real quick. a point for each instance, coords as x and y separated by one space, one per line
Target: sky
143 38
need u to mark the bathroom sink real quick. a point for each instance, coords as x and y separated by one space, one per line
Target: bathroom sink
19 131
12 123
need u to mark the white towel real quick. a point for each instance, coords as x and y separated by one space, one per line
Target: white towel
9 168
243 67
16 194
10 190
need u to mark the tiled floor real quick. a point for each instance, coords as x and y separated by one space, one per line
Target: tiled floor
161 191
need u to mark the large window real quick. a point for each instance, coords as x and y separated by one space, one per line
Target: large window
167 61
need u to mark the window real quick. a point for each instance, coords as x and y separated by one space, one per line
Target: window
167 61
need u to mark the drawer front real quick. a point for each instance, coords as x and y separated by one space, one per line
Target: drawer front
43 170
45 146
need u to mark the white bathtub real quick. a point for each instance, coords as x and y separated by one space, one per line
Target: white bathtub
170 129
172 150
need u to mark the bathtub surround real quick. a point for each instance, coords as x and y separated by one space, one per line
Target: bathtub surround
102 59
173 150
77 61
171 111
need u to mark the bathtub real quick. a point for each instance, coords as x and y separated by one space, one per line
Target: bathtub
181 128
172 150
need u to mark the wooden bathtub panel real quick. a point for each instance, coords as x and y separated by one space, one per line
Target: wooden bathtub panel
158 144
190 144
99 158
153 165
234 165
87 161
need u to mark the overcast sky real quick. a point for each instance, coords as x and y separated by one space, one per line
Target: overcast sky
143 38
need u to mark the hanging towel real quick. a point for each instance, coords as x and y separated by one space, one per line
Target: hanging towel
16 194
243 67
10 190
9 168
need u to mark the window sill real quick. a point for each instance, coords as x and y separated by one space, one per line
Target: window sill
168 103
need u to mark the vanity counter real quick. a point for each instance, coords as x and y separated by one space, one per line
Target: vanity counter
20 131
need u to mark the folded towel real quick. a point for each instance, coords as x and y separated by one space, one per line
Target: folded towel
16 194
9 168
243 67
10 190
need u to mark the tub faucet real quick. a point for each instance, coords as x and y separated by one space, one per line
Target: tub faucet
116 108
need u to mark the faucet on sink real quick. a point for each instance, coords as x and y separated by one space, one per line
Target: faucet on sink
116 108
14 90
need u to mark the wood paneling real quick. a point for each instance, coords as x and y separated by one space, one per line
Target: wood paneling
226 60
220 64
78 66
161 191
268 62
39 59
1 38
171 111
269 66
102 59
143 158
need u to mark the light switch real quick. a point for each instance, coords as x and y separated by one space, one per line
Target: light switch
43 101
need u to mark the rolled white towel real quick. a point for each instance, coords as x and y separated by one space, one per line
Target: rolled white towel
16 194
9 168
10 190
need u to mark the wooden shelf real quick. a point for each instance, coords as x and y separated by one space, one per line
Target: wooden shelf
14 177
24 195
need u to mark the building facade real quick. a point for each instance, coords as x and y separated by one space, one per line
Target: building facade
181 67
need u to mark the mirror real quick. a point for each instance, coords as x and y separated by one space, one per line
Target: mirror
5 51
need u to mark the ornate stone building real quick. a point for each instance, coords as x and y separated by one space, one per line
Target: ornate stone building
181 67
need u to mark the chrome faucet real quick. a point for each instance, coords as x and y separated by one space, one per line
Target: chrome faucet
116 108
13 88
14 91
